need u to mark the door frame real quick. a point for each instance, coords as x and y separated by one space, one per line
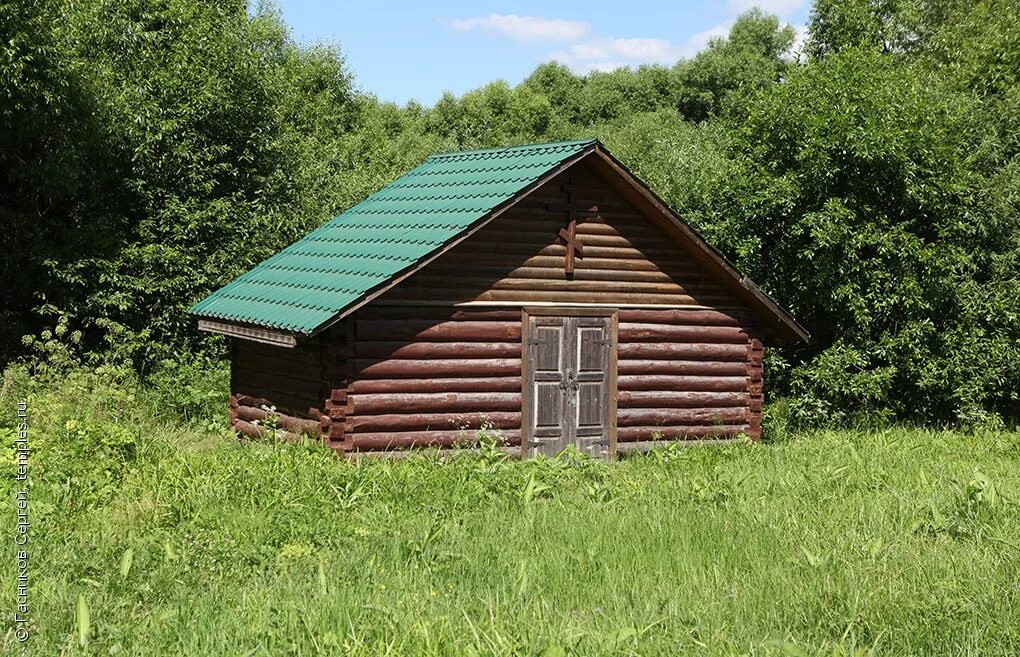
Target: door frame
526 371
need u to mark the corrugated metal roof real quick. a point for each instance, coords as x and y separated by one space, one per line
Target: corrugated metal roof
334 266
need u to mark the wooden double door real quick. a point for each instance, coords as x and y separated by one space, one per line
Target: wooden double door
570 383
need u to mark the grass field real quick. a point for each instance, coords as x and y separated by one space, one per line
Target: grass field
179 541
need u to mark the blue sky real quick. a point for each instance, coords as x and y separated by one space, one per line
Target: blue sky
416 50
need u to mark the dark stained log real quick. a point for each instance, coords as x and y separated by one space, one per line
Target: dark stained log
399 369
472 384
448 402
285 422
409 439
403 313
278 356
683 383
293 369
632 434
477 246
306 385
554 261
652 351
630 332
252 431
683 317
556 273
645 417
644 368
669 399
419 330
250 396
438 350
431 281
431 421
571 296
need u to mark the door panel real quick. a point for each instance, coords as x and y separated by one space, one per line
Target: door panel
568 377
548 337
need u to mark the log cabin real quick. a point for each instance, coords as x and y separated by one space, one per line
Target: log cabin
539 294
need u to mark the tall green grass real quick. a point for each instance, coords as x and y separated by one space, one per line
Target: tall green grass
173 539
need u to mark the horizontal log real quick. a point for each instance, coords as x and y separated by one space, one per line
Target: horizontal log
679 351
566 296
252 431
449 402
296 369
307 385
633 434
277 356
644 368
251 396
437 350
412 439
431 421
632 332
555 272
684 317
682 383
431 281
476 246
513 261
283 421
424 330
473 384
645 417
373 311
400 369
669 399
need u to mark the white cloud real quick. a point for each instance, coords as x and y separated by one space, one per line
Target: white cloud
781 8
524 28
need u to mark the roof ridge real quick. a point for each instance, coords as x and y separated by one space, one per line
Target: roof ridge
501 149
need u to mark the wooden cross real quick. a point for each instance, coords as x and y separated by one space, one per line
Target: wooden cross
569 234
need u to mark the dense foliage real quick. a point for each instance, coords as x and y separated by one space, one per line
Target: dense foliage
177 540
150 150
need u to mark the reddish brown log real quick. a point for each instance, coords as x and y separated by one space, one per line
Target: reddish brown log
683 383
410 439
292 407
366 349
564 296
556 273
661 399
683 317
652 351
398 369
556 261
287 422
630 332
429 282
645 417
431 421
448 402
492 384
680 367
633 434
373 311
421 331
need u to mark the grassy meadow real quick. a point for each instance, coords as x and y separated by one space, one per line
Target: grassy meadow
174 539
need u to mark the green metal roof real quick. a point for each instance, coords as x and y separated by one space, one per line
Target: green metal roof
311 281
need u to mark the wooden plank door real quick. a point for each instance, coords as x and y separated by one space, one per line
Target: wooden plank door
569 385
547 388
589 384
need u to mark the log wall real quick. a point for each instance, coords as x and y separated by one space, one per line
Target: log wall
518 258
267 376
438 356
